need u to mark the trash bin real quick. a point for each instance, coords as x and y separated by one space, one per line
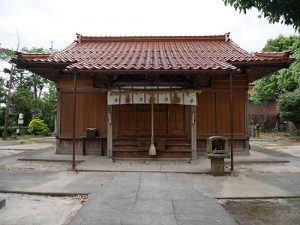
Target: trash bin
91 133
217 151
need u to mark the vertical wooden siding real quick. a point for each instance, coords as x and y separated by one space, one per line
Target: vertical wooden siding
214 113
206 121
136 120
66 114
91 111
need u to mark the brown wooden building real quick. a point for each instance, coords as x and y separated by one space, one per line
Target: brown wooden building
187 80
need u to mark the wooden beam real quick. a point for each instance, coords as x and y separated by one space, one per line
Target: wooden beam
109 132
142 84
194 132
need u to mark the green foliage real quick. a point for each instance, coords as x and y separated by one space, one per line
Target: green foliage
22 102
289 106
283 85
47 106
10 130
2 112
2 91
34 50
32 95
281 43
284 11
6 54
38 127
285 80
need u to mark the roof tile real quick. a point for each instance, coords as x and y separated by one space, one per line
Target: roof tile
158 53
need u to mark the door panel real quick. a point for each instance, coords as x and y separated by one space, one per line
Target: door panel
176 120
136 120
127 120
160 119
143 120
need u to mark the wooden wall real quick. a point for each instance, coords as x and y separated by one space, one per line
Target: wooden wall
135 120
213 111
91 107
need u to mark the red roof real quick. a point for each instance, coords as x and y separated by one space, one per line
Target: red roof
160 53
152 53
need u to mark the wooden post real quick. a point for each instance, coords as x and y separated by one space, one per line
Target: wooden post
58 114
231 124
109 132
74 120
194 132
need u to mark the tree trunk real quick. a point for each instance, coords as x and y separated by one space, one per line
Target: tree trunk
6 116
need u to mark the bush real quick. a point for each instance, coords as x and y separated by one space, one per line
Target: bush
38 127
289 107
10 130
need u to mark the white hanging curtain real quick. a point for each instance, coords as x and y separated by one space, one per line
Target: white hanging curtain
152 95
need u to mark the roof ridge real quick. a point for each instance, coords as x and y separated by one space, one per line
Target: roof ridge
31 55
80 38
283 54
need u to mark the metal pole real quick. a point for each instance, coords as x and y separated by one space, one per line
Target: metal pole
231 124
74 119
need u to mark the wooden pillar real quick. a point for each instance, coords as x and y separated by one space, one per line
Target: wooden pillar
231 123
194 132
74 121
57 131
109 132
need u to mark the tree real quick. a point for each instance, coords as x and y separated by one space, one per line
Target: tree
2 91
48 104
289 106
284 86
29 94
283 81
6 54
22 101
284 11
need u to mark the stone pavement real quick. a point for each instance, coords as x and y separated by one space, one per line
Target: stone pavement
153 192
103 164
9 153
151 198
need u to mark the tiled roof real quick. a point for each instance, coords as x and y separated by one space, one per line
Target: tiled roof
153 53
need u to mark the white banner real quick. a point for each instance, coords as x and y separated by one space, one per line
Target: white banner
181 97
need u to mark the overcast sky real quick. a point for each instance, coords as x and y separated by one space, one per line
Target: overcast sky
39 22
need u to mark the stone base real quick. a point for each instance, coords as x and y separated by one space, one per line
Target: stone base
2 202
217 166
195 161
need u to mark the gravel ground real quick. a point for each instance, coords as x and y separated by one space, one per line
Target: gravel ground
265 168
34 165
4 153
36 210
264 212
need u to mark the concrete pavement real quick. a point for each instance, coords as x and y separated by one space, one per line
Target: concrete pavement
150 198
154 192
2 202
103 164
